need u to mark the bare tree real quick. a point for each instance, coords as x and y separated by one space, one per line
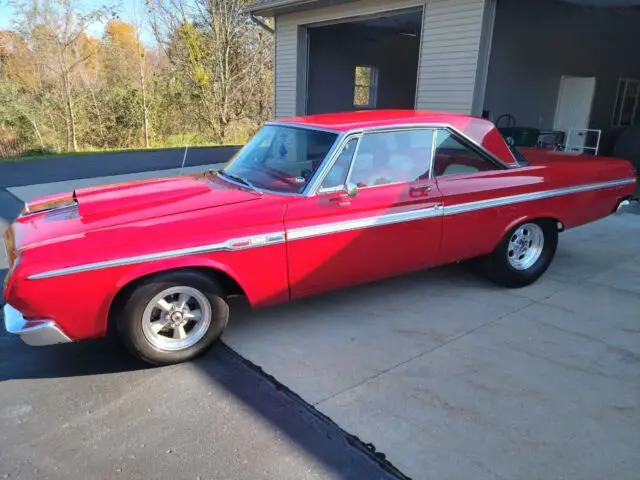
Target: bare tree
220 51
54 28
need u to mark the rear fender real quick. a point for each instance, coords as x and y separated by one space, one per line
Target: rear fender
528 218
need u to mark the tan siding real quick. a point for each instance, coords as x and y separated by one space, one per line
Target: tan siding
448 60
450 45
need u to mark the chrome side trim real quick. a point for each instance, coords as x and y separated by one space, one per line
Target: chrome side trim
529 197
273 238
361 223
29 212
231 245
33 332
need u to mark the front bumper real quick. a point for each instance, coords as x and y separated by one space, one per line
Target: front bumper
33 332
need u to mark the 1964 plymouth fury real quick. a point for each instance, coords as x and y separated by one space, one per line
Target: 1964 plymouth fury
309 205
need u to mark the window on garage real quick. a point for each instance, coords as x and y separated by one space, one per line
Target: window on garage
626 106
365 91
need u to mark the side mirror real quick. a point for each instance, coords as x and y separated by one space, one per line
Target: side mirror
352 189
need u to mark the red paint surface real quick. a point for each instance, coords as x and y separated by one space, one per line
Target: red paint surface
141 218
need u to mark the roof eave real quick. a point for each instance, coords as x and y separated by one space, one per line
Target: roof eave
276 7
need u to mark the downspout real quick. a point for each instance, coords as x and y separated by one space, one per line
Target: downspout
260 23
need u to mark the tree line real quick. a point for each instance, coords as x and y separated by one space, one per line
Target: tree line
207 77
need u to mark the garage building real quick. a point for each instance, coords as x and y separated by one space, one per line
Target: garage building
553 69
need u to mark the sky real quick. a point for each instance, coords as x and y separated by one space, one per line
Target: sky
126 10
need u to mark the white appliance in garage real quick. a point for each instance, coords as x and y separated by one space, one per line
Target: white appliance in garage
573 112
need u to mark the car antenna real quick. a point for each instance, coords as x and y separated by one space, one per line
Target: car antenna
184 158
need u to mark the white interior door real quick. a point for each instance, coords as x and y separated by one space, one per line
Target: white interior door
574 103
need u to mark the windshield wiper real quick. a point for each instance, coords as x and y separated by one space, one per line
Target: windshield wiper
241 180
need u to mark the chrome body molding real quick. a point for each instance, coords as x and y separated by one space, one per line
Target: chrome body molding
228 246
529 197
57 208
362 223
254 241
33 332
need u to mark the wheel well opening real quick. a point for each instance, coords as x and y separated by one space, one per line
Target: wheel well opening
228 284
550 221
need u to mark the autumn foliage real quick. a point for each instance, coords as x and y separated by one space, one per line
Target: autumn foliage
206 78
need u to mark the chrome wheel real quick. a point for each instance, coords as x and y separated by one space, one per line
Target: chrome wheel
525 246
176 318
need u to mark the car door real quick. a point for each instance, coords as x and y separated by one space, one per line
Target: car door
474 187
377 214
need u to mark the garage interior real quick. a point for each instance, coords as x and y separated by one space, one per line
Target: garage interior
567 71
365 63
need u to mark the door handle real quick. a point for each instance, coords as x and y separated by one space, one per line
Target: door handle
342 199
420 191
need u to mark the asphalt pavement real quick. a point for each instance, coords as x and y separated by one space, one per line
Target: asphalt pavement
90 411
61 168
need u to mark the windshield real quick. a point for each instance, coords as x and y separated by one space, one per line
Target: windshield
280 158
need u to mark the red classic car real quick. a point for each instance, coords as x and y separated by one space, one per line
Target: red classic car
310 204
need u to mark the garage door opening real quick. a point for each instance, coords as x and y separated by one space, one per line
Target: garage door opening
364 64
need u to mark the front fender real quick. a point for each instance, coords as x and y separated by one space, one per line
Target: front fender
141 270
144 269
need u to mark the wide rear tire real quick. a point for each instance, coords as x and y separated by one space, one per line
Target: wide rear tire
523 255
173 317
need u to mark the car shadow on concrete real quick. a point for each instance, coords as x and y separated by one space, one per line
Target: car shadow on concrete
94 357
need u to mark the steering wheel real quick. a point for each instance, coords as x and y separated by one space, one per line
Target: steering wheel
280 175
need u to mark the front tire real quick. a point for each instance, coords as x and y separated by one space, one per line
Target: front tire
173 317
523 255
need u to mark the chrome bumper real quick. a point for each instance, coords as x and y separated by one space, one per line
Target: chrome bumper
628 204
33 332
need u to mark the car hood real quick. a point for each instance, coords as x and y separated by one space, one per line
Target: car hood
51 218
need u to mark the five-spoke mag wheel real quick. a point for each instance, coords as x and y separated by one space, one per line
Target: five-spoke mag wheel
173 316
176 318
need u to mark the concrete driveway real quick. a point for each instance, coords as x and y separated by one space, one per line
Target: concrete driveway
455 378
449 376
